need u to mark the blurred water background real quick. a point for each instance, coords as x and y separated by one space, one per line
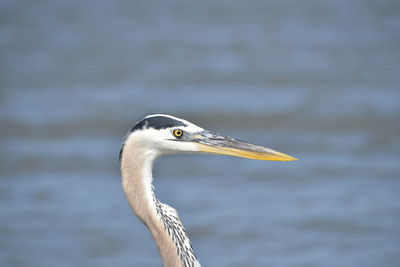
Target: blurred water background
318 80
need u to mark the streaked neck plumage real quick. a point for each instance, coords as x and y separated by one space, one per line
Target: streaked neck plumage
161 219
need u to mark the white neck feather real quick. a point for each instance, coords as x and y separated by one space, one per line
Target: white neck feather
161 219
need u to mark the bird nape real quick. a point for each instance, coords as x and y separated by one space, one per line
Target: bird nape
160 134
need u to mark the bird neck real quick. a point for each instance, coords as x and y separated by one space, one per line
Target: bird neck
161 220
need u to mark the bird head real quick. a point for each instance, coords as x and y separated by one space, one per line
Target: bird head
165 134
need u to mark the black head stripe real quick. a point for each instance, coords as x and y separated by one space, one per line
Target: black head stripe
157 122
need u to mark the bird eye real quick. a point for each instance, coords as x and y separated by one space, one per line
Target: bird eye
177 133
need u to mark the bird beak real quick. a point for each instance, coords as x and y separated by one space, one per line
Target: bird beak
209 142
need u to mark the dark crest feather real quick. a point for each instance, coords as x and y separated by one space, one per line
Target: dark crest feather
157 122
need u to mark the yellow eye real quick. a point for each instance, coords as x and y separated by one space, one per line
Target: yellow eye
178 133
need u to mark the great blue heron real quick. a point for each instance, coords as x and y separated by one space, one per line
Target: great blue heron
160 134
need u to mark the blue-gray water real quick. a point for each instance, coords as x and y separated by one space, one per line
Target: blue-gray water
318 80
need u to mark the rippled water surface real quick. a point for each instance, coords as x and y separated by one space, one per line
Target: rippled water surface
318 80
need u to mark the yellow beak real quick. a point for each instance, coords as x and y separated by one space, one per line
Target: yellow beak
218 144
270 155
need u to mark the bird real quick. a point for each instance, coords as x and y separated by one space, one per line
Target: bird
161 134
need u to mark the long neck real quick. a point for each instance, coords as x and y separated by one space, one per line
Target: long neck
161 219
